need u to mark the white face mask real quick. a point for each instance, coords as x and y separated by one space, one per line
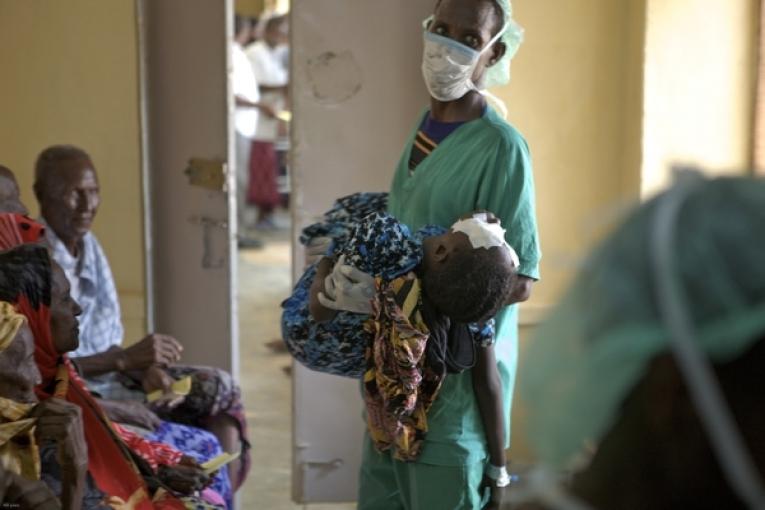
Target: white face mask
448 66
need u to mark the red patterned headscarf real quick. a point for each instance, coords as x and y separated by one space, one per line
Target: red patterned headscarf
109 461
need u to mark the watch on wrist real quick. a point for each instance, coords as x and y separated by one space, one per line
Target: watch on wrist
499 474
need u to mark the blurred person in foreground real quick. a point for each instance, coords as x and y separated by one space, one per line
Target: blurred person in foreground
654 359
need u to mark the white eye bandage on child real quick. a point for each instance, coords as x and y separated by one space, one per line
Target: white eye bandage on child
483 234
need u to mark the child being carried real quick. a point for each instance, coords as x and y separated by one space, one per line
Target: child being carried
436 293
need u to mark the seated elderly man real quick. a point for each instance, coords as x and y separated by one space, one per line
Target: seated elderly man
67 189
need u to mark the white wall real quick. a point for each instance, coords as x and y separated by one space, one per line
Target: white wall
357 94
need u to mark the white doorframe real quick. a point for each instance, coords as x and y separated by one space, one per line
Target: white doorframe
143 106
186 111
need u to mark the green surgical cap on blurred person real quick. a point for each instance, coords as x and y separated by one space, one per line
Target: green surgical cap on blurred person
499 73
598 343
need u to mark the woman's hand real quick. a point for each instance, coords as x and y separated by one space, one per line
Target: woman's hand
154 349
184 478
130 412
60 421
189 461
154 378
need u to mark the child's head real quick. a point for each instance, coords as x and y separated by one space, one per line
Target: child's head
468 273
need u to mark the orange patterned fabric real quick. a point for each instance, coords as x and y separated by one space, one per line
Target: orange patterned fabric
399 387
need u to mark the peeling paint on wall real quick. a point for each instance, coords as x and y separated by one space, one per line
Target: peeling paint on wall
334 78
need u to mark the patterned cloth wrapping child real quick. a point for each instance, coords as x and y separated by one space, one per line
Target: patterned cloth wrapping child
392 350
345 213
373 242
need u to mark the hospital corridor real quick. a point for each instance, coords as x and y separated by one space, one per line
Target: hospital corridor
382 255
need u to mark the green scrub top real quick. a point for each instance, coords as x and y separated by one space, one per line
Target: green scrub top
483 164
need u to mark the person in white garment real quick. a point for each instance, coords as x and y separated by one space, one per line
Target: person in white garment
248 109
269 62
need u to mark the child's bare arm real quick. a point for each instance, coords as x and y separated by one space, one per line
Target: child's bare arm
319 312
488 390
487 386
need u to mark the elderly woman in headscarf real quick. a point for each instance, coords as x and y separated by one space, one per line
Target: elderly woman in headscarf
26 426
647 378
130 471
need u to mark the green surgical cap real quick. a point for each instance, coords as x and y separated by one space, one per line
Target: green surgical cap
499 73
598 343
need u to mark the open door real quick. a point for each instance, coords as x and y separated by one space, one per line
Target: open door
357 92
186 104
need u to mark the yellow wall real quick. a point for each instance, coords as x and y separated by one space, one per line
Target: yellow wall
249 7
255 8
572 96
607 93
69 75
700 79
576 95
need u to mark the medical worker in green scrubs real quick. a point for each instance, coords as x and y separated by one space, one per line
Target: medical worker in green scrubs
462 157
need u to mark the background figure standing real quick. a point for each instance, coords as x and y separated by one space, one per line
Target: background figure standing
248 108
268 59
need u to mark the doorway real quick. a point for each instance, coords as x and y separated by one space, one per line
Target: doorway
307 428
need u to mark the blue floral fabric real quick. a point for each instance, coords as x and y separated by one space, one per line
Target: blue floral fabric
483 335
335 347
199 444
378 245
374 242
346 212
383 247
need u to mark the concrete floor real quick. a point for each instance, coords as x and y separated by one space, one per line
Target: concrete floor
264 281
